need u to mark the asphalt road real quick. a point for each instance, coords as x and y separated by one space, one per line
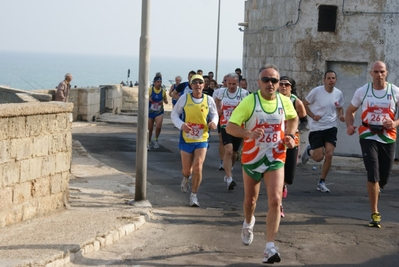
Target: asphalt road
318 230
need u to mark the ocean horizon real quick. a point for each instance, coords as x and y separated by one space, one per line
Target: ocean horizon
35 71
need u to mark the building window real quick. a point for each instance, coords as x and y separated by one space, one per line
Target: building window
327 18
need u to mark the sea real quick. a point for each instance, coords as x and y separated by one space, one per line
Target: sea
34 71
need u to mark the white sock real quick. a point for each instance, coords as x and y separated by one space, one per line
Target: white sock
249 225
269 245
193 194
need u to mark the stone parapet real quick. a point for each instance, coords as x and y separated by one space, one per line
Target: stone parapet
11 95
35 159
113 98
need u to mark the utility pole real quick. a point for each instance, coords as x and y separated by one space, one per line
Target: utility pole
142 117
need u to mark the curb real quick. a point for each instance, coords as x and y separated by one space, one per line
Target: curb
99 242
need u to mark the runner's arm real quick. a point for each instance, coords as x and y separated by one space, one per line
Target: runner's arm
237 131
350 119
213 114
177 111
165 97
292 126
340 114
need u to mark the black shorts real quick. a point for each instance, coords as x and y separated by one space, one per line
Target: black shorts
378 160
318 139
229 139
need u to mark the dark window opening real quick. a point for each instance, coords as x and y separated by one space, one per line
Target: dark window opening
327 18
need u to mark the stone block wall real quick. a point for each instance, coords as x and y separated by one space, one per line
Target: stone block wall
129 98
285 33
11 95
113 98
87 103
35 159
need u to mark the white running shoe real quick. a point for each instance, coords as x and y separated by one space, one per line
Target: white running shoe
148 148
185 185
323 188
305 156
271 255
156 144
194 201
247 233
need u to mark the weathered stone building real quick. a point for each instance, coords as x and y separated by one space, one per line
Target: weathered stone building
304 38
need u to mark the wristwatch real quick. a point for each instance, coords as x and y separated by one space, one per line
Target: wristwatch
292 136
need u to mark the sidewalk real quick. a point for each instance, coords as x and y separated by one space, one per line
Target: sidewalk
97 217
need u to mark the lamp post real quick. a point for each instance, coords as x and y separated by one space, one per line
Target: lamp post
142 118
217 45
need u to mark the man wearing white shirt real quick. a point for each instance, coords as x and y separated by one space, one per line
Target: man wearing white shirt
227 99
324 106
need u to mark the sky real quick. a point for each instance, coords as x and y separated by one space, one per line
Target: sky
177 28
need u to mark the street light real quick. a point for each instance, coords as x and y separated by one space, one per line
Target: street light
142 118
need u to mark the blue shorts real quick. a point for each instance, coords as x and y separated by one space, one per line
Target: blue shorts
153 115
190 147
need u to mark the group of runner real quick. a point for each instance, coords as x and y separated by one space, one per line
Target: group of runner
267 123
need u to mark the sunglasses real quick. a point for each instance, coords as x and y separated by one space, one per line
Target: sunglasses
197 82
285 84
268 79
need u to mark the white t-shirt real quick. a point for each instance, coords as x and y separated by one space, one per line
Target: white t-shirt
325 105
224 92
216 93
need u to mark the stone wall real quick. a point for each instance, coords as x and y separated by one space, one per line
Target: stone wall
35 159
129 98
113 98
285 33
86 101
11 95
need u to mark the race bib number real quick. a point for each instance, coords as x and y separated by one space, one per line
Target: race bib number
227 114
197 130
156 106
377 119
271 135
377 115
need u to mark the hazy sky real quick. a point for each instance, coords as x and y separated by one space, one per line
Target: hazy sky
178 28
